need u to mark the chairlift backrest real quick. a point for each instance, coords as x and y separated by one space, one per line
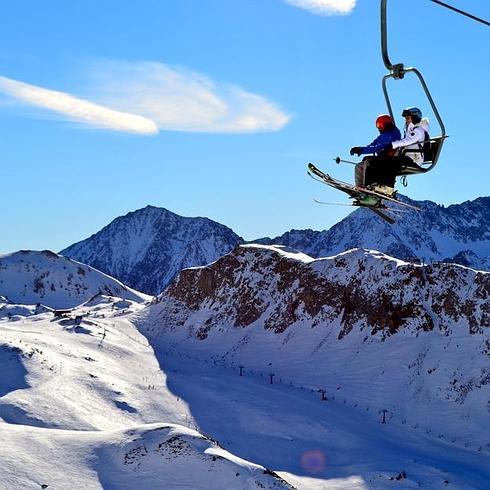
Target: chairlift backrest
435 145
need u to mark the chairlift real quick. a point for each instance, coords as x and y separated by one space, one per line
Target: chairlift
398 72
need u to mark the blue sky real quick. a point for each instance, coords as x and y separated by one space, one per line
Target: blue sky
214 107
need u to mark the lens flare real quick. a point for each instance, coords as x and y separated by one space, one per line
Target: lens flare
314 461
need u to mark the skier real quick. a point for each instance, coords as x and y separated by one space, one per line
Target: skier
380 171
381 146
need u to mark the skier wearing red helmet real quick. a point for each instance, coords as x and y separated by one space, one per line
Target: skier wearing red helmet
381 146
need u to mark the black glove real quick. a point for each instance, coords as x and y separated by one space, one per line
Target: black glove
356 150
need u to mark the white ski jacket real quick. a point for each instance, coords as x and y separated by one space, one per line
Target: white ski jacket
413 139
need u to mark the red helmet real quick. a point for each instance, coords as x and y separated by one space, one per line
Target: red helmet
384 121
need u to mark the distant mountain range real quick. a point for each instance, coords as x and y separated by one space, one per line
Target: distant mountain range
459 233
148 247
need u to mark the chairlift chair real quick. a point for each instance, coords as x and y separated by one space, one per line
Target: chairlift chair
398 72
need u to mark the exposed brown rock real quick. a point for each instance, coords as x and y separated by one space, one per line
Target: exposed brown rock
262 284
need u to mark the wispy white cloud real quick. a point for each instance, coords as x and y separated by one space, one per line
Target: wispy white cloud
325 7
146 98
182 100
77 109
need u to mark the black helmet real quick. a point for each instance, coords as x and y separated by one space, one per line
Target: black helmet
414 112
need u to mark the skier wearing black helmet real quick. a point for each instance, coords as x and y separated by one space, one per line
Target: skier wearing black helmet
416 132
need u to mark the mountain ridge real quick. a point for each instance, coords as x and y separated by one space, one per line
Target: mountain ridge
384 331
459 233
29 277
147 247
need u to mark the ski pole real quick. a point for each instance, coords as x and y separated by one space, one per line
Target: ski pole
339 160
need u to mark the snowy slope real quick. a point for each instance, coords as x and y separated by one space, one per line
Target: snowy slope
146 248
86 401
153 456
30 277
459 233
378 331
85 404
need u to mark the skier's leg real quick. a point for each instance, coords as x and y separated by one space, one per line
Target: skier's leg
382 177
360 172
371 170
390 168
393 167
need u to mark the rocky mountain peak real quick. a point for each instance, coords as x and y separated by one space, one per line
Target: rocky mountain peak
147 247
360 324
433 233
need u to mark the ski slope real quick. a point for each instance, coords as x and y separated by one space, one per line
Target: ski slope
88 403
317 444
85 404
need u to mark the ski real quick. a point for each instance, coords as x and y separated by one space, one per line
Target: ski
382 215
386 208
353 191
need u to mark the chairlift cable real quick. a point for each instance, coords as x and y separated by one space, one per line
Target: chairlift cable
462 12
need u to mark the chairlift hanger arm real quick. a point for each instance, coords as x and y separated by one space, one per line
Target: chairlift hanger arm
398 69
427 93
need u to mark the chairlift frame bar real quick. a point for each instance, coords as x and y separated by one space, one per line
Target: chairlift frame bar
398 71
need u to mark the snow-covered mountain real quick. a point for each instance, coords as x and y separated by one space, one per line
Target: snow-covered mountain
30 277
89 401
375 330
147 247
85 404
458 233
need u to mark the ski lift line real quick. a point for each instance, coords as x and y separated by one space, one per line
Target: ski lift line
462 12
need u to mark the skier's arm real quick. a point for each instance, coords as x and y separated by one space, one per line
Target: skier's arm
374 147
415 135
382 142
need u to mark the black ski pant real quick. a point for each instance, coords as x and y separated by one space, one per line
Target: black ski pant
381 170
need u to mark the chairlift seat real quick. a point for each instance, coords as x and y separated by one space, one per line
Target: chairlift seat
435 146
